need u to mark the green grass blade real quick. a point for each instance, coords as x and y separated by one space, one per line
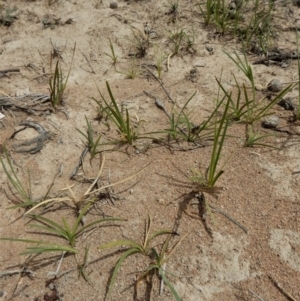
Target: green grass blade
169 285
107 219
117 267
48 248
159 233
119 243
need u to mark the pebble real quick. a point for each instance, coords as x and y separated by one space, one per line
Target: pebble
232 5
161 201
287 103
274 85
113 5
270 122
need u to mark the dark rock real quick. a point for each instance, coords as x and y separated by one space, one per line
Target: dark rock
287 103
113 5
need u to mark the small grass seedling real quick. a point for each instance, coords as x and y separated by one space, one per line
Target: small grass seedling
177 38
208 12
259 29
173 10
57 82
157 267
125 129
69 233
143 248
112 54
253 138
24 191
133 71
181 126
91 144
141 42
159 58
252 109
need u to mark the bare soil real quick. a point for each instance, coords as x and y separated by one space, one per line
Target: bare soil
259 190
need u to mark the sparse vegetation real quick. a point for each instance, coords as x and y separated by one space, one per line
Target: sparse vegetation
112 53
146 249
200 124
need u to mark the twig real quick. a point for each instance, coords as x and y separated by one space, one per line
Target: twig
83 154
258 297
279 286
158 103
4 71
160 82
93 71
58 267
13 272
230 218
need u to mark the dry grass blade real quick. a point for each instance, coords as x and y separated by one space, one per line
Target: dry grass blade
119 182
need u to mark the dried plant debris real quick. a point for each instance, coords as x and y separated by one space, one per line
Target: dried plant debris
35 144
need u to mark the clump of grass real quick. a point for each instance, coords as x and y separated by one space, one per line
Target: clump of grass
112 54
91 144
141 43
123 123
177 38
181 126
23 190
58 83
252 109
69 233
254 138
173 10
133 71
159 58
145 248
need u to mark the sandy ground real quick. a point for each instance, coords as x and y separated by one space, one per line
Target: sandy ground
258 188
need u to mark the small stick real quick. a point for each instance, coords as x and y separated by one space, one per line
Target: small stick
93 71
279 286
9 70
161 83
13 272
258 297
58 267
230 218
83 154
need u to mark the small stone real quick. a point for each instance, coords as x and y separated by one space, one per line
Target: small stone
161 201
270 122
232 5
113 5
287 103
274 85
193 71
210 49
51 286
